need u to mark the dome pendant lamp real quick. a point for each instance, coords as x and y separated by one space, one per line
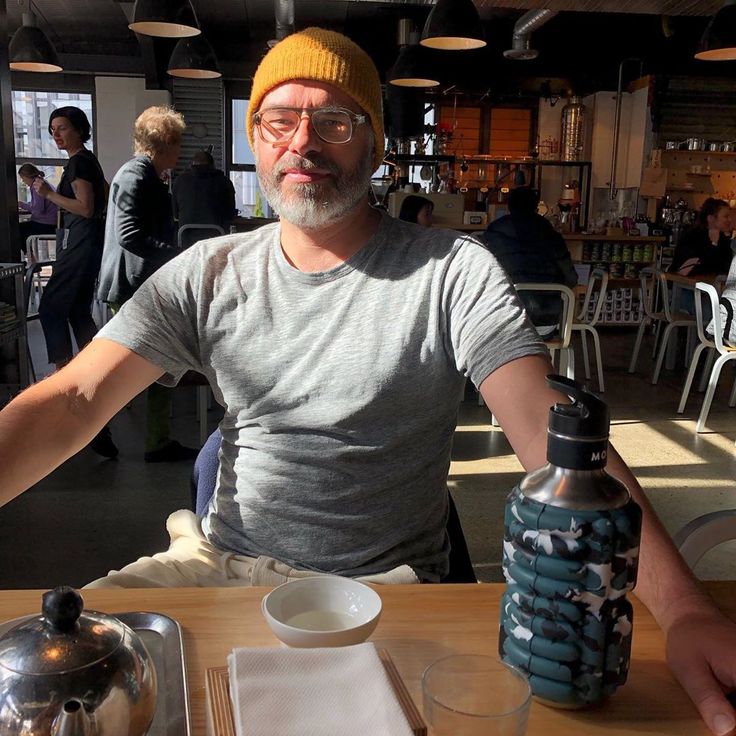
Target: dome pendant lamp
30 49
194 58
453 25
164 18
719 40
411 69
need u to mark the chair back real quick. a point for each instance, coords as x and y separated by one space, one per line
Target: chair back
596 290
703 290
40 248
568 309
647 289
184 229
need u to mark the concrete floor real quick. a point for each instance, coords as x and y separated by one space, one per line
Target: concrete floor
92 515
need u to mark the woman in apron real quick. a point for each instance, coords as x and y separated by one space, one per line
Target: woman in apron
81 198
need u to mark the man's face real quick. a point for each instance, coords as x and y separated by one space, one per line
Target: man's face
311 183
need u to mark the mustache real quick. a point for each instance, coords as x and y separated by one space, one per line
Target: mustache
314 161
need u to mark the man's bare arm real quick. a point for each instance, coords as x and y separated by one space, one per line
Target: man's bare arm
57 417
701 642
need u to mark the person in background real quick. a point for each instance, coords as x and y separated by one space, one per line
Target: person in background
417 209
67 298
338 340
42 210
531 250
706 247
140 237
203 195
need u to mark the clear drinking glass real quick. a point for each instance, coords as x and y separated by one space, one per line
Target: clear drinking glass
475 695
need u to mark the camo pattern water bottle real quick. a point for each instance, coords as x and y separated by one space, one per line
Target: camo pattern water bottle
570 555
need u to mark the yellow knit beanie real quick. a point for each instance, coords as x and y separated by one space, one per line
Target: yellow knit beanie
323 56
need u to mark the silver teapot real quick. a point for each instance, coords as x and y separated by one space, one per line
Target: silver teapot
70 672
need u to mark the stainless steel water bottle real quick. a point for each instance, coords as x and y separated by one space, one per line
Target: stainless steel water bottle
571 545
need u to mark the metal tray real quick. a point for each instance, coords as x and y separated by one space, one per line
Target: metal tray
162 637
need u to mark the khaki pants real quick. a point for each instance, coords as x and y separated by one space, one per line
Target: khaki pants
193 561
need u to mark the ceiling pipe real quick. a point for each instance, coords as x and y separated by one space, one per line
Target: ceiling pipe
520 41
612 188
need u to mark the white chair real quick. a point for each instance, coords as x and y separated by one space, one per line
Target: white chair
214 230
704 533
666 316
560 342
587 319
724 352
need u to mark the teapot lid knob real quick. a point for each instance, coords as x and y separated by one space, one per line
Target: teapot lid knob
62 607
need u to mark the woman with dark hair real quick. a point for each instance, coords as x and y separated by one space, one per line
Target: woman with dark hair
43 212
706 247
81 197
417 209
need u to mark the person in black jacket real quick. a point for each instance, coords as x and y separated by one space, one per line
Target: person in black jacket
706 247
139 239
531 250
203 196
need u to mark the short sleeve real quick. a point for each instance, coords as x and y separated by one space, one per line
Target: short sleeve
81 167
486 322
159 322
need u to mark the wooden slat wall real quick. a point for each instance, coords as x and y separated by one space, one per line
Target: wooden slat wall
202 103
509 134
466 137
699 107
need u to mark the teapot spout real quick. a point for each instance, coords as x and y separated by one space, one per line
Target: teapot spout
72 721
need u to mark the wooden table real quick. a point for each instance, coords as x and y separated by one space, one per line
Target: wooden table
418 625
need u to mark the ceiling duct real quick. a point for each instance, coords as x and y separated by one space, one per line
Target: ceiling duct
284 12
520 42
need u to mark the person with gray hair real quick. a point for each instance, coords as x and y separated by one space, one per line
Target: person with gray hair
338 341
203 195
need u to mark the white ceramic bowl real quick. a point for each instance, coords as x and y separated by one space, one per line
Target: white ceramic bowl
324 611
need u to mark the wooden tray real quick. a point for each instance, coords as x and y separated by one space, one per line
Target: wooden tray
220 707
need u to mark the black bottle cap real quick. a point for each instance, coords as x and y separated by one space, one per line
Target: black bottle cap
578 432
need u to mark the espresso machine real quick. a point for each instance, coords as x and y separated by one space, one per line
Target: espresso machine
569 206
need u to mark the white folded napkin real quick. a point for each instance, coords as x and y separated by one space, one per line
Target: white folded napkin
313 692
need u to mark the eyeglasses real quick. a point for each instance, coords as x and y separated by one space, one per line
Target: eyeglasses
332 124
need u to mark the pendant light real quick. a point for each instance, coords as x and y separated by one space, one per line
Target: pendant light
194 58
453 25
30 49
164 18
719 40
411 68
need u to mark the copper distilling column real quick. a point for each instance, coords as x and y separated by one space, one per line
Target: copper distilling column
573 122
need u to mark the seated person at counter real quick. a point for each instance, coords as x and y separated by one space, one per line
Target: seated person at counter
203 195
417 209
706 247
531 250
43 211
338 340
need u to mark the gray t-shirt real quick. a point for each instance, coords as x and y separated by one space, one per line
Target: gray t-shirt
340 388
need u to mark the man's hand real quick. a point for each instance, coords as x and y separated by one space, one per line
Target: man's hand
701 651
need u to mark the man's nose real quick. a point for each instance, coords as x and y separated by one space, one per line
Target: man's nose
305 139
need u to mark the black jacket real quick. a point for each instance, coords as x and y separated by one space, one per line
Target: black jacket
139 232
531 250
698 255
203 196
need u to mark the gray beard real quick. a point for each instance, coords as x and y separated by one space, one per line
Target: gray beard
313 206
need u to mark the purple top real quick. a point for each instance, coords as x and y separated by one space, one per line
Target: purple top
42 210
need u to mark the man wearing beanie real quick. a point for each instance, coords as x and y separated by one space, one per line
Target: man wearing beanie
338 341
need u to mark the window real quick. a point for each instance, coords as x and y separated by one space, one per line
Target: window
242 166
33 144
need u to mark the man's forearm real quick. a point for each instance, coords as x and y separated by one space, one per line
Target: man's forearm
39 430
665 583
